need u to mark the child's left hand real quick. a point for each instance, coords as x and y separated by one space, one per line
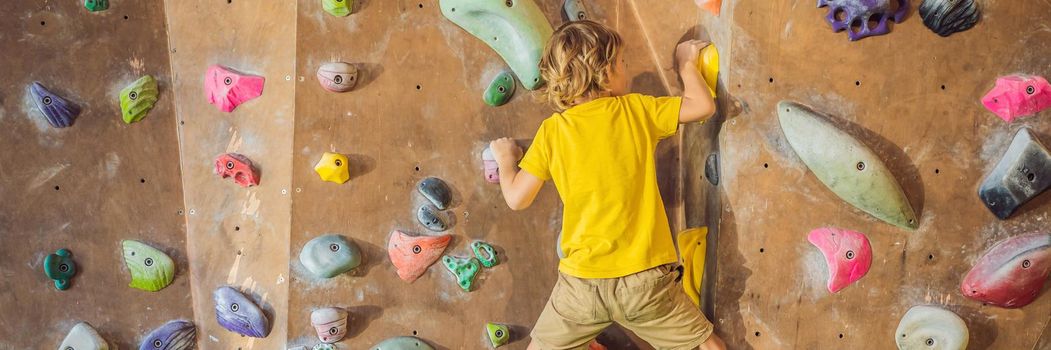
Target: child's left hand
506 151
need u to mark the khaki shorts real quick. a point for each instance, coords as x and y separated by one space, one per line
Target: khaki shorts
649 303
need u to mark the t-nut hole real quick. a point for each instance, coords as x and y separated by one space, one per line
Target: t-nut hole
861 166
509 3
1026 264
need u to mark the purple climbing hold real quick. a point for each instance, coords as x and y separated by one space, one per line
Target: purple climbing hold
174 335
854 16
237 313
58 111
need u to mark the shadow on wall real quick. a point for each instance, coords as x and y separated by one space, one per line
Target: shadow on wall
981 327
730 288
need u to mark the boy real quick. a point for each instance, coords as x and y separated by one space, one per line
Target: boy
617 256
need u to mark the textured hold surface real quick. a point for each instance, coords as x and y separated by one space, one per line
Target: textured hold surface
574 10
333 167
711 169
499 335
58 111
60 267
500 89
693 245
138 98
151 270
857 15
338 8
96 5
848 255
402 343
324 346
330 255
489 166
516 29
227 89
412 255
485 253
946 17
1018 96
713 6
708 65
238 167
338 76
237 313
330 323
83 337
463 269
174 335
1023 173
931 328
1012 273
436 191
849 168
431 218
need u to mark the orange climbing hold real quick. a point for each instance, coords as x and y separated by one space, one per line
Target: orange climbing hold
412 255
712 6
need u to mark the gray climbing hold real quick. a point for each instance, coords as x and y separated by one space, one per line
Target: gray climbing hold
402 343
436 191
1022 173
574 10
432 219
330 255
83 337
711 169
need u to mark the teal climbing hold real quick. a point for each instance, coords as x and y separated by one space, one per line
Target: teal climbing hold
324 346
500 89
463 269
485 253
59 266
515 29
499 335
96 5
137 99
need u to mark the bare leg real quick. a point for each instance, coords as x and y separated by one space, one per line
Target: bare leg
713 343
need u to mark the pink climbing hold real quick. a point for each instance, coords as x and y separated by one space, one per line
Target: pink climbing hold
1018 96
847 253
227 89
492 170
1012 273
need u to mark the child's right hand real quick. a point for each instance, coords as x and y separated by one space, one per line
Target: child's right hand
506 151
687 51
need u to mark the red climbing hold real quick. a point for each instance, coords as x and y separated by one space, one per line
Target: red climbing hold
412 255
238 167
847 253
1012 273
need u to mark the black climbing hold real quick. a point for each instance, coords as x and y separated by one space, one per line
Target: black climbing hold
711 169
431 218
1022 174
946 17
436 191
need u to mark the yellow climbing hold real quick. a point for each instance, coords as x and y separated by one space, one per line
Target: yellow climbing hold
708 65
692 246
333 167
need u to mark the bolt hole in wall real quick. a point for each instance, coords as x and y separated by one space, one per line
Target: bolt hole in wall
418 87
56 188
142 181
757 333
766 165
762 250
237 228
840 335
421 5
43 23
937 171
857 83
930 256
771 80
943 87
125 16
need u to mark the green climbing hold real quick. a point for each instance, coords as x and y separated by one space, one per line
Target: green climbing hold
59 266
515 29
138 98
151 269
96 5
499 335
485 253
464 269
323 346
338 8
500 89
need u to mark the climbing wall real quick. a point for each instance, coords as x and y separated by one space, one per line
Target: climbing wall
89 186
913 97
416 112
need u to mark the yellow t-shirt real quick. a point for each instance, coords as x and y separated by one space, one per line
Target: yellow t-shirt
600 155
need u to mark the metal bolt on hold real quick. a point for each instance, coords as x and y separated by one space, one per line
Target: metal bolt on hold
288 77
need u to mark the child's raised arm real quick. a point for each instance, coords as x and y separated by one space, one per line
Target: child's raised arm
697 102
518 187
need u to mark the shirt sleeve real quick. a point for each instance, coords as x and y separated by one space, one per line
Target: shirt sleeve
537 160
664 112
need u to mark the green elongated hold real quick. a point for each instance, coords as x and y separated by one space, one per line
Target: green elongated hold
485 253
500 89
138 99
151 269
515 29
499 335
338 8
96 5
59 266
402 343
463 269
849 168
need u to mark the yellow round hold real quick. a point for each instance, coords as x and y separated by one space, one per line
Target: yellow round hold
708 65
333 167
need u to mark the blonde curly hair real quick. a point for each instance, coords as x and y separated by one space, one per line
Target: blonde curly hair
577 62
